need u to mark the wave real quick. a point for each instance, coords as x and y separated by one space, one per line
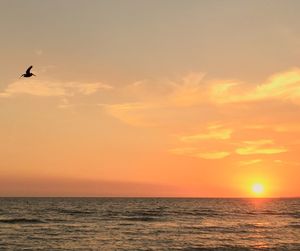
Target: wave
253 225
206 213
150 213
142 219
294 214
275 213
144 215
217 229
21 221
73 211
294 225
221 248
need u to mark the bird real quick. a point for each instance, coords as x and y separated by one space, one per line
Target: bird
28 74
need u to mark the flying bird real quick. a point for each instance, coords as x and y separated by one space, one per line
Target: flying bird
28 74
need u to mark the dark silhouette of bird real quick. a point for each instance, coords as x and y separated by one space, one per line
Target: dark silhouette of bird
28 74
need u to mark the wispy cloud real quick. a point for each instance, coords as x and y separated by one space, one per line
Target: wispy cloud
188 91
226 114
281 86
196 91
287 163
49 88
212 155
260 147
250 162
189 103
131 113
197 153
213 132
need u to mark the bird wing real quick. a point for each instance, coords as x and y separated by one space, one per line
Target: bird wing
28 70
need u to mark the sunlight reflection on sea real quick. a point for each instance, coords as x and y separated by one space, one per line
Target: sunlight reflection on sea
149 224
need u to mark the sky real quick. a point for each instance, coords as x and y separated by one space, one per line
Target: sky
150 98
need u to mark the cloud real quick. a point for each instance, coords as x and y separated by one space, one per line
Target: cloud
212 155
151 102
131 113
293 127
250 162
196 91
213 132
290 163
34 88
227 111
51 89
189 90
259 147
281 86
89 88
195 152
278 127
188 103
85 187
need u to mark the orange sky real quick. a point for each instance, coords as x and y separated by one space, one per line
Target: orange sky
199 100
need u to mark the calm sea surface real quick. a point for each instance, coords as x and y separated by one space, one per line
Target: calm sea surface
149 224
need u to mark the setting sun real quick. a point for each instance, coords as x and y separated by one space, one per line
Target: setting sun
258 189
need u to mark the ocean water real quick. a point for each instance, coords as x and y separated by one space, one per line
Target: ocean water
149 224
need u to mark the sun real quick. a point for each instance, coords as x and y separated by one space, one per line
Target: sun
258 189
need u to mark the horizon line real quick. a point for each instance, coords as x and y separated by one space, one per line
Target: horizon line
150 197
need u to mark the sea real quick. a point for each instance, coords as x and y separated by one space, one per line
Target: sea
149 224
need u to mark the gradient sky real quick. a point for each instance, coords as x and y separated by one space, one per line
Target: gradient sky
149 98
